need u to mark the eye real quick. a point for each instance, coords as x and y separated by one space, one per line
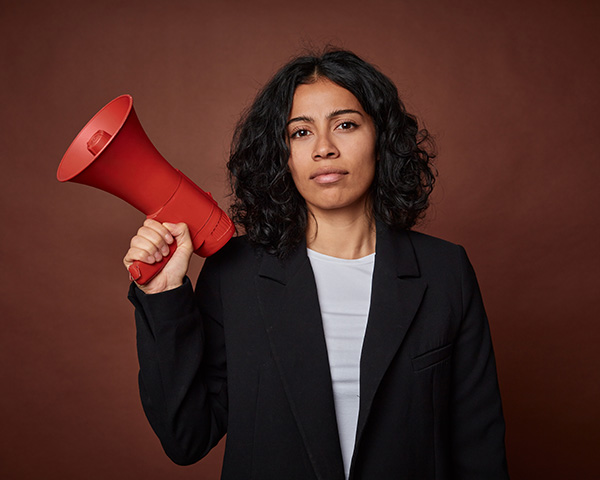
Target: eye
347 125
301 132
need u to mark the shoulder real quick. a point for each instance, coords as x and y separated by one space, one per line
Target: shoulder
439 257
423 246
236 256
236 247
441 260
429 242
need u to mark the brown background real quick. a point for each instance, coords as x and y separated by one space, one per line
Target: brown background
510 90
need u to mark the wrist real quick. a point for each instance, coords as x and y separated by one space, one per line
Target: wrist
152 289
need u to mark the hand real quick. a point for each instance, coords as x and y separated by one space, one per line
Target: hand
150 245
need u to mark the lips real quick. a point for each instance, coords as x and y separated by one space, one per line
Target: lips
328 175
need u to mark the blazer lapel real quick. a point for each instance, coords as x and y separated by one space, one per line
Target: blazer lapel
395 300
290 307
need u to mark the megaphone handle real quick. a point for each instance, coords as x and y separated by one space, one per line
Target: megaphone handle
142 273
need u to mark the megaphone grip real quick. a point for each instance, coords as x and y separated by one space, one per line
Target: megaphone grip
142 273
113 153
209 226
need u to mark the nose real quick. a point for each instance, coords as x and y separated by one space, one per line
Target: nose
324 148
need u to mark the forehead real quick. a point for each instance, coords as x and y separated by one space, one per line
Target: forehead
322 96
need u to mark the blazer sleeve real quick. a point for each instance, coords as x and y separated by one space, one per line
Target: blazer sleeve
477 419
182 378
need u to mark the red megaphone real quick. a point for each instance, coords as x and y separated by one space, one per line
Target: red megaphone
114 154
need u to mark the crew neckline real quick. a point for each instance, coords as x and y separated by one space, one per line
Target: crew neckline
321 256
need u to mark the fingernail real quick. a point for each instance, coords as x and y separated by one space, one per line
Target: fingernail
165 250
150 259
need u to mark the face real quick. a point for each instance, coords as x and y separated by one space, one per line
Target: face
332 148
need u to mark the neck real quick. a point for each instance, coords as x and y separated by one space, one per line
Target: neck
342 236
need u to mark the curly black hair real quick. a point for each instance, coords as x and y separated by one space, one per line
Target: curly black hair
267 204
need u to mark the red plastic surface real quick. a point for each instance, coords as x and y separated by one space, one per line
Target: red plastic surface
142 273
113 153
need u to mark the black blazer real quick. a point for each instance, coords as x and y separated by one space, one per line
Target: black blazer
247 356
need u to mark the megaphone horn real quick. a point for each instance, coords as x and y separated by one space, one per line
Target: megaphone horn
113 153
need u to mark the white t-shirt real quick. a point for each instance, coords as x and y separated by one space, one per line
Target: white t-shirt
344 290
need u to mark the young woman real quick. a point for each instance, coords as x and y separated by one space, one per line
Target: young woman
330 341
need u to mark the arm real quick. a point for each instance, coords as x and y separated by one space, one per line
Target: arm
477 419
182 376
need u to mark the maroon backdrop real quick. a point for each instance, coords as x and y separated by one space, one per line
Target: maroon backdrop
509 90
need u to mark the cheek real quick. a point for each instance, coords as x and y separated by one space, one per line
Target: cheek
368 163
299 164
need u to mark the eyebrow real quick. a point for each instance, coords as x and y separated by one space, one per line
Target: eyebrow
335 113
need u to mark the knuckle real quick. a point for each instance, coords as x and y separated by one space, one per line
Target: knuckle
150 235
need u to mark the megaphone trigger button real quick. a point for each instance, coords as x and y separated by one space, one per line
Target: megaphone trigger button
134 272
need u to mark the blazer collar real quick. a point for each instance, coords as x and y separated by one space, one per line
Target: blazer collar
396 247
283 270
397 292
288 299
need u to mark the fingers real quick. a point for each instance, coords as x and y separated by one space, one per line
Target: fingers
181 234
150 244
156 232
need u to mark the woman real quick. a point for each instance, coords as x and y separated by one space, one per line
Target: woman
329 341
